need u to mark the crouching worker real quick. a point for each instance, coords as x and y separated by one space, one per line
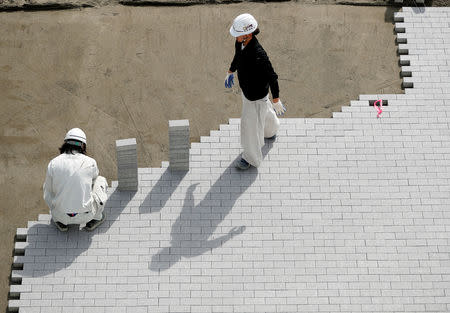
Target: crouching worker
73 190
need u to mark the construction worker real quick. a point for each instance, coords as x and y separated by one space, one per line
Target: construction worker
73 190
256 75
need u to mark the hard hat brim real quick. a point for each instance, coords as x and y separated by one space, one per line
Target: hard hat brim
236 34
76 134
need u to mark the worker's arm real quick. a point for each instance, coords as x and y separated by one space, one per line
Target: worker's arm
266 67
95 171
48 188
272 77
233 66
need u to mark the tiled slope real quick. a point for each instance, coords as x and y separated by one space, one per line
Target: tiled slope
349 214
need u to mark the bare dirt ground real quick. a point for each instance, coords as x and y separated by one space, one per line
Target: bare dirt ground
119 72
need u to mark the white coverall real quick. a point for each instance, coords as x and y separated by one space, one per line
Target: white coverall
258 120
72 185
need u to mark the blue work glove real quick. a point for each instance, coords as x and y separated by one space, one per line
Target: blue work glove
229 80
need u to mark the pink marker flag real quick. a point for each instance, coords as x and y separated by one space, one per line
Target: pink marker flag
378 108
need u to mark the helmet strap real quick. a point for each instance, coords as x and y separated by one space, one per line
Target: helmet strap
247 39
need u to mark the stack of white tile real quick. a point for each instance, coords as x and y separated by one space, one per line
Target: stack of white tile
179 145
127 168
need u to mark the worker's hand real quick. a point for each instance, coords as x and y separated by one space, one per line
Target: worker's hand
278 106
229 80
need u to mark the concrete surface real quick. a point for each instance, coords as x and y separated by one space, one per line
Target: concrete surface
123 72
348 214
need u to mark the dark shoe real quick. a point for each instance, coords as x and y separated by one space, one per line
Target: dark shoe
93 224
61 226
242 164
271 138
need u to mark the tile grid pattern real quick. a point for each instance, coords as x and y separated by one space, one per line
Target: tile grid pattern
348 214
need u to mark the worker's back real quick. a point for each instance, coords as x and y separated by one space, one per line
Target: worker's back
70 183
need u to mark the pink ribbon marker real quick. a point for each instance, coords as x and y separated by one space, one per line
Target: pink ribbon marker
378 108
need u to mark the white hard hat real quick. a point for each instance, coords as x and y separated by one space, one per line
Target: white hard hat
244 24
76 134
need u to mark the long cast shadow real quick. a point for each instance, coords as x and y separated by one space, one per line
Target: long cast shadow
191 232
162 191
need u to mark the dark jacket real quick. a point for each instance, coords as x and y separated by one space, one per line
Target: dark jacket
254 71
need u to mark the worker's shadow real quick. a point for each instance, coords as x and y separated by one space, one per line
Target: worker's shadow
48 250
191 232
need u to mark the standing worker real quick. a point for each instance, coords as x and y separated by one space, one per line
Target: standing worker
73 190
256 75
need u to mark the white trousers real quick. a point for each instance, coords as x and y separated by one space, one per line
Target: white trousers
95 213
258 120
